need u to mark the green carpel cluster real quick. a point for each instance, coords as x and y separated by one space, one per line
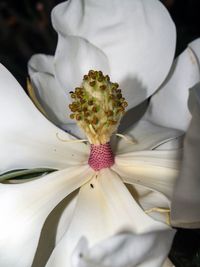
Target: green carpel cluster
97 106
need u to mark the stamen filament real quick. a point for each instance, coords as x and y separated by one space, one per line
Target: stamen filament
160 210
128 139
71 141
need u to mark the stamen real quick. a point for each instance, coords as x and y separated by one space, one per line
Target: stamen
71 141
128 139
97 107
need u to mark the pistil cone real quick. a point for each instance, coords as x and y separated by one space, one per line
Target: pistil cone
101 156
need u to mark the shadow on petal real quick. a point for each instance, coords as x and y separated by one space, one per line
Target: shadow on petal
138 92
53 230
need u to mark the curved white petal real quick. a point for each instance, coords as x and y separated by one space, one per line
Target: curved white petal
27 138
52 98
154 203
175 143
54 228
41 63
144 250
105 207
24 209
156 169
74 57
74 129
195 46
186 198
168 107
168 263
148 136
139 45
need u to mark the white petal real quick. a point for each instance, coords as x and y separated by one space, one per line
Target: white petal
186 198
41 63
147 136
195 46
150 137
168 106
139 46
153 203
53 98
53 229
144 250
156 170
74 130
176 143
27 139
25 207
104 207
74 57
168 263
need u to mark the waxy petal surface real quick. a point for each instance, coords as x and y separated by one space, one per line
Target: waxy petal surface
27 138
25 207
168 107
144 250
156 170
186 198
53 98
104 207
138 42
146 136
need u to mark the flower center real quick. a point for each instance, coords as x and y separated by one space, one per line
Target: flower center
101 156
98 106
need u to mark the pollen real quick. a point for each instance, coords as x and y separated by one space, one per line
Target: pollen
98 106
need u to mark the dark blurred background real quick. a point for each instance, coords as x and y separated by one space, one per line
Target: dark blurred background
25 29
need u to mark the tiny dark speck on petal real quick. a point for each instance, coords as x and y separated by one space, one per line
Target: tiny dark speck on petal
80 255
91 185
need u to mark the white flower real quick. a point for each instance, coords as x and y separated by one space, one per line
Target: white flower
103 223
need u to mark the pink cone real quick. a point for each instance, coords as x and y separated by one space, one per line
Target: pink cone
101 156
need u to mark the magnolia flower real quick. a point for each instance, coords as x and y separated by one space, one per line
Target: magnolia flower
86 214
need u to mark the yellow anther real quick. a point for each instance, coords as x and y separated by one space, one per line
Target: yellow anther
107 78
116 85
73 95
90 102
125 104
98 106
94 109
102 87
92 83
95 120
109 113
78 117
72 116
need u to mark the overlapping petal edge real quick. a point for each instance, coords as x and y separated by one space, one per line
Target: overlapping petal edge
48 151
31 202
